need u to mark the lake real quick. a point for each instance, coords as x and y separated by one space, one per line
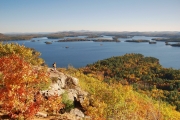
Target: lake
79 54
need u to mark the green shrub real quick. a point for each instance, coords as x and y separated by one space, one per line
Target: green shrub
68 103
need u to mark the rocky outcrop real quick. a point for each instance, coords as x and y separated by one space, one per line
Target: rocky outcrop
65 83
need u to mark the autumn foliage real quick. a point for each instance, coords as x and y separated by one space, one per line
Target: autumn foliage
19 86
120 102
21 81
29 54
143 73
110 84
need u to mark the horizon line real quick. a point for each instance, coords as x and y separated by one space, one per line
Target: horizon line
79 31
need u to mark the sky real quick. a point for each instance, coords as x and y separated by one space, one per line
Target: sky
94 15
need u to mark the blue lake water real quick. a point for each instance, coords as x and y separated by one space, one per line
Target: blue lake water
79 54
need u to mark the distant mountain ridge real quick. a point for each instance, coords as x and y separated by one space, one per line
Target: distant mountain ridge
57 35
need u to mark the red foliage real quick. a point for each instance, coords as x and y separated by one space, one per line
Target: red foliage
19 86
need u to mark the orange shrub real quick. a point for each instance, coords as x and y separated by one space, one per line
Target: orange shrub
19 85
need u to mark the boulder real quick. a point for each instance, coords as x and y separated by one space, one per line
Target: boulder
54 89
77 113
55 86
75 81
71 94
42 114
62 80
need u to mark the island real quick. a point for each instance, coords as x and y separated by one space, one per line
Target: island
48 42
167 39
167 43
137 41
175 45
85 39
33 41
73 40
152 42
105 40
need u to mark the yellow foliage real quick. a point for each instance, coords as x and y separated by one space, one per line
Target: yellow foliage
115 101
53 104
29 54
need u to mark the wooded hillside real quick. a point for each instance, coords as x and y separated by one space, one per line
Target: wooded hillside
143 73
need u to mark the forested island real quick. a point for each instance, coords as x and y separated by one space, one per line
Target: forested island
175 45
137 41
167 39
85 39
48 42
140 41
152 42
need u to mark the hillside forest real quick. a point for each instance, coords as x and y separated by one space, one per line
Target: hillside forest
145 74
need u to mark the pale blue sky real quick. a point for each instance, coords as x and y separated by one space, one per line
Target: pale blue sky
96 15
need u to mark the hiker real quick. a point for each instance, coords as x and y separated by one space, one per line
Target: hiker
54 66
